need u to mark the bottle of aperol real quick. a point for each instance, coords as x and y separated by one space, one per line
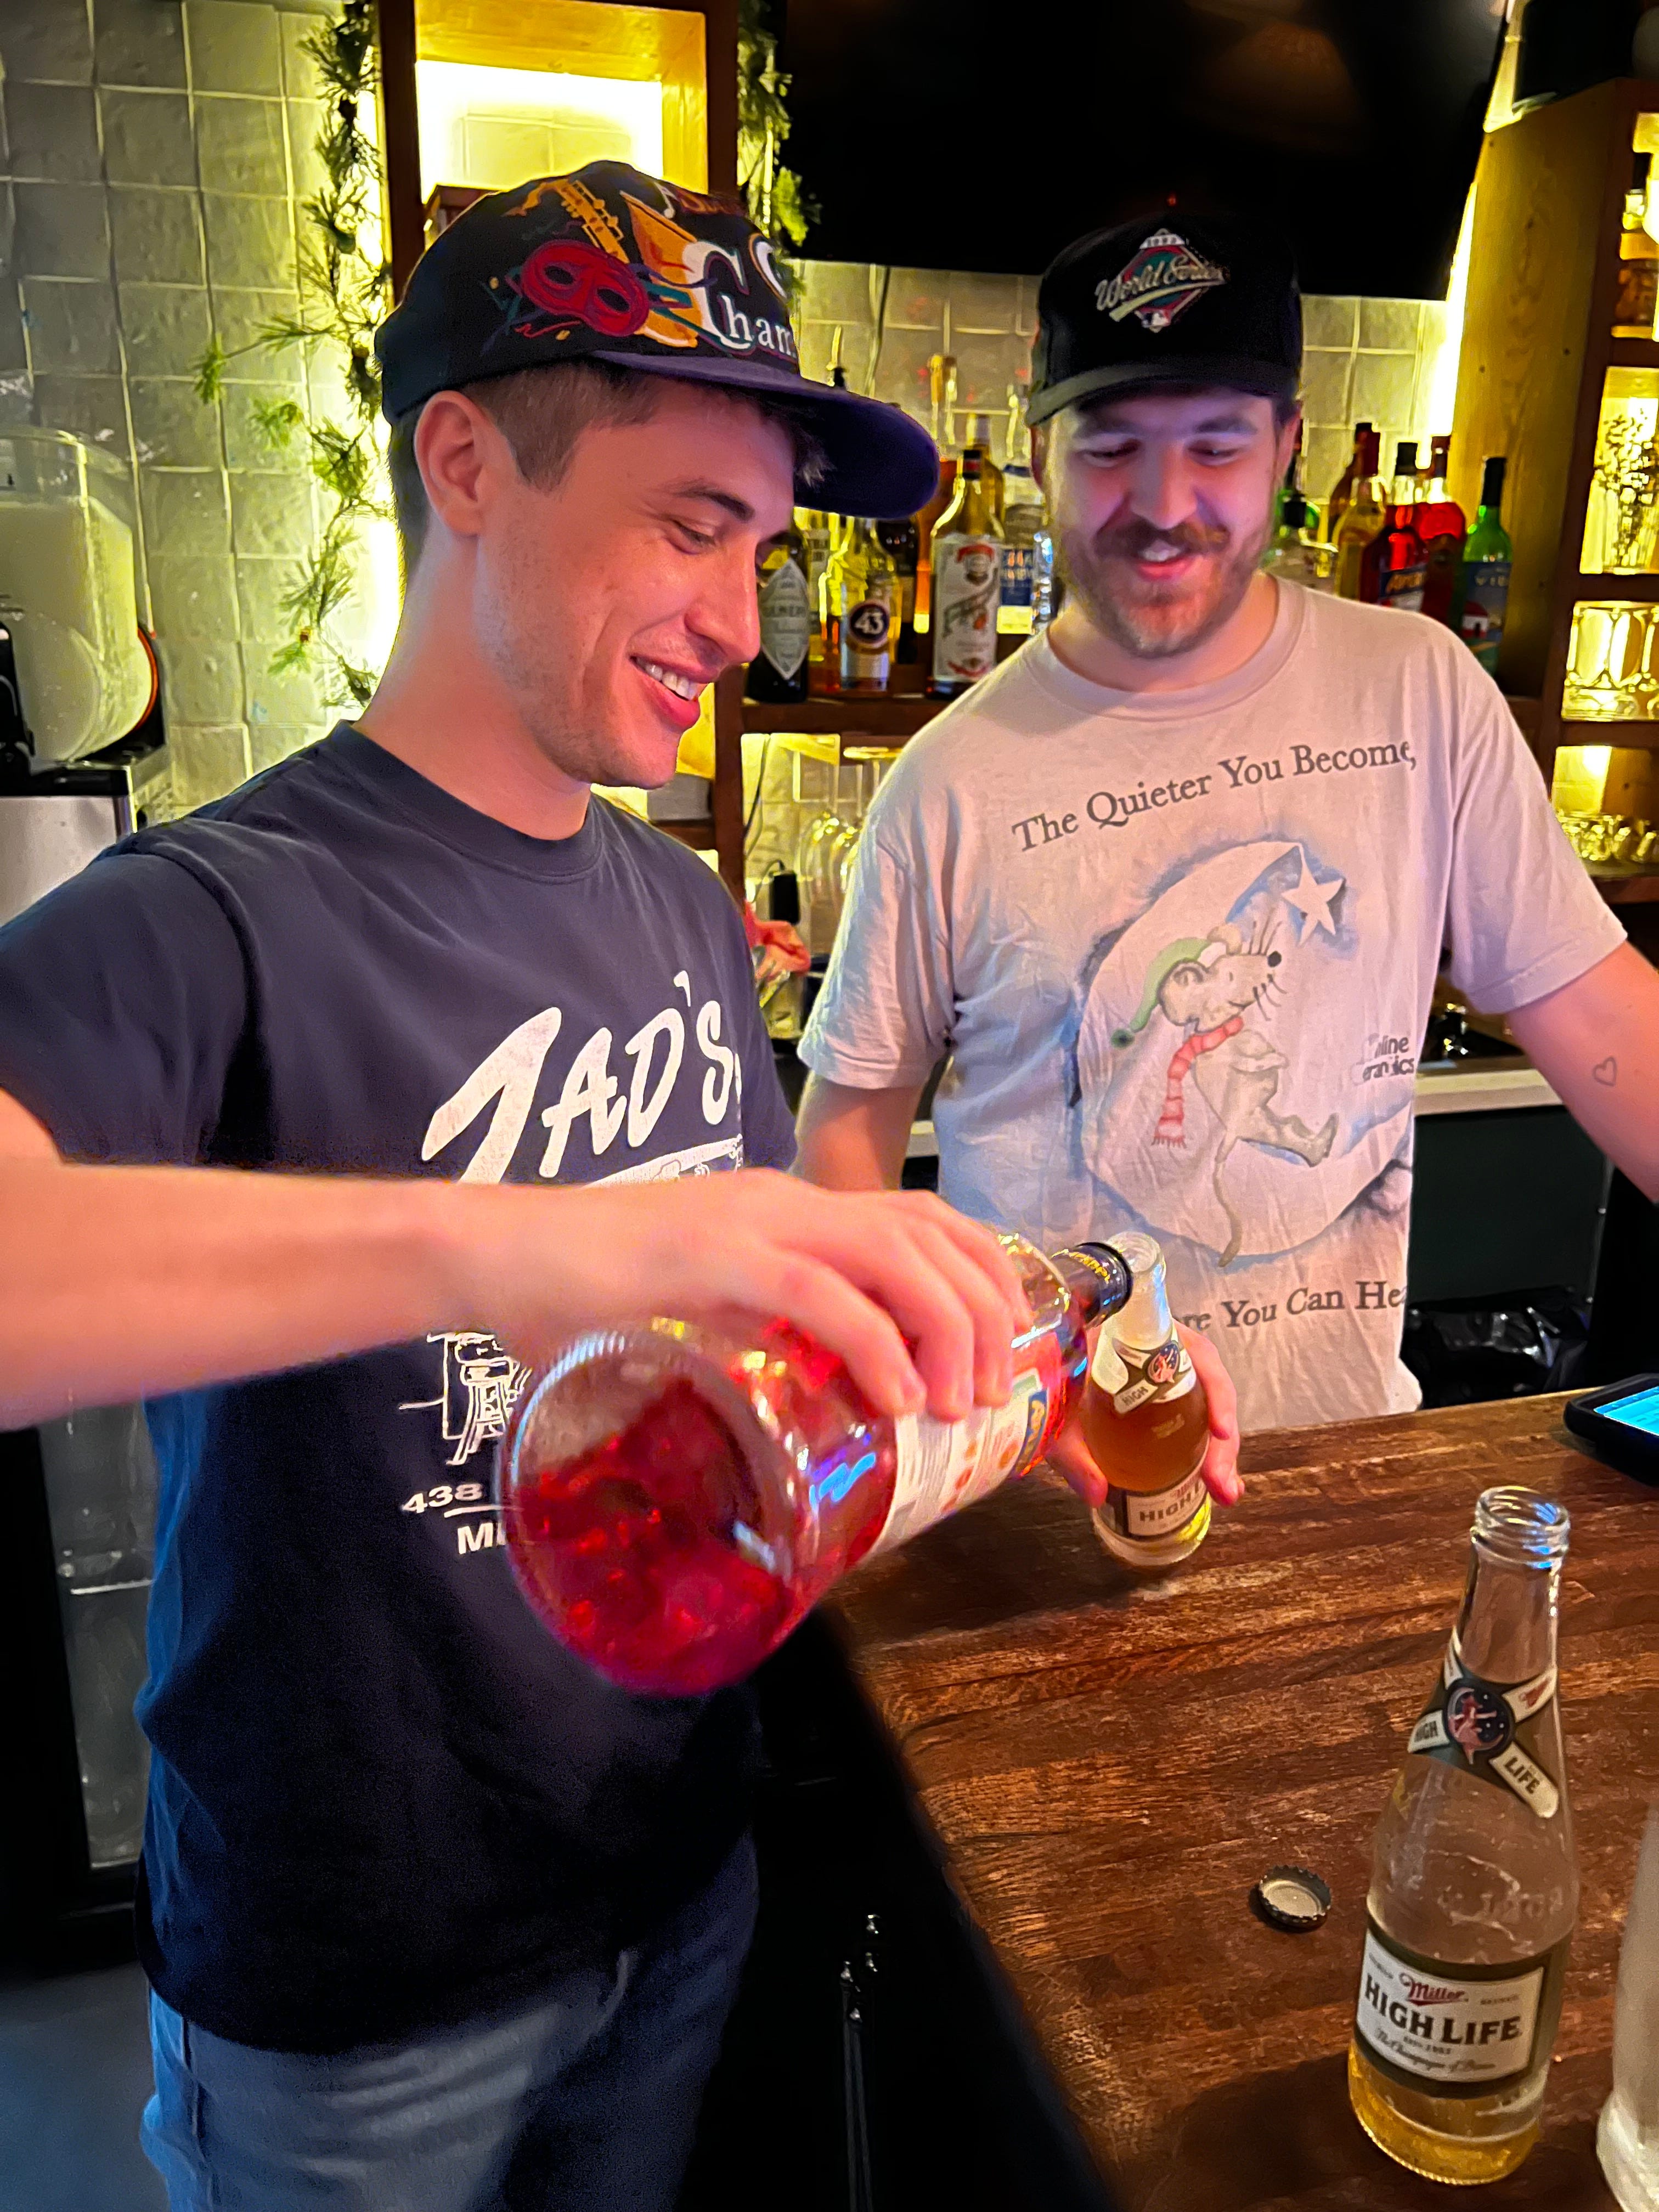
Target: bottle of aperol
675 1498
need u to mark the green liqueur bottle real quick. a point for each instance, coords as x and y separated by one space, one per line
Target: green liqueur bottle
1483 582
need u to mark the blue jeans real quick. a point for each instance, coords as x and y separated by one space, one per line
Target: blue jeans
585 2100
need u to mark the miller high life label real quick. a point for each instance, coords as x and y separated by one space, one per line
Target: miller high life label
1158 280
1455 2031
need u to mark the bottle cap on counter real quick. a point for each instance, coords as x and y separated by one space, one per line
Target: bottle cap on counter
1291 1897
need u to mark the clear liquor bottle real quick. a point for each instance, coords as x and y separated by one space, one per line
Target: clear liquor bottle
676 1498
1023 517
1364 517
778 672
866 602
967 569
1342 490
1474 1881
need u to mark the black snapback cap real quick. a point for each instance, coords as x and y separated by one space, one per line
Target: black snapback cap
1170 299
609 265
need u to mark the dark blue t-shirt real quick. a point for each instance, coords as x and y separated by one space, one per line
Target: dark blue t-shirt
381 1796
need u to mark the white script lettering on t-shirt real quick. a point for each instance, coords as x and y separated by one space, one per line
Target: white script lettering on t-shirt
511 1076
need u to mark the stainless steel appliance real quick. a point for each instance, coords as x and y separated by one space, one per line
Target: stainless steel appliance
83 762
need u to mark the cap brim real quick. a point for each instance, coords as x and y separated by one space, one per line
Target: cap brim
1266 380
878 461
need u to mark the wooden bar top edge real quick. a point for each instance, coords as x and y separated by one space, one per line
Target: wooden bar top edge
1108 1762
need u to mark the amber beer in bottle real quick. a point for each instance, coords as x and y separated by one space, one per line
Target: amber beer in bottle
1474 1885
1146 1423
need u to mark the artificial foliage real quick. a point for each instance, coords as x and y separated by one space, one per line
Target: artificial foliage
771 190
345 290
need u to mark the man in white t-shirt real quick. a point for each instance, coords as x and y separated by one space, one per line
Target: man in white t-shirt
1171 888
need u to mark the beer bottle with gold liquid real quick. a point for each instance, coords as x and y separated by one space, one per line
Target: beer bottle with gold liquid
1474 1883
1146 1423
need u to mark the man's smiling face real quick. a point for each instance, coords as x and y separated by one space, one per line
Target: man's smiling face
608 603
1162 504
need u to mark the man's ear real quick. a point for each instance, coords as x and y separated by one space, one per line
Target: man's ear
1284 443
465 461
1039 451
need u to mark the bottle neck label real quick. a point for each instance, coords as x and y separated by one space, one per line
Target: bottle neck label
1453 2031
1472 1723
1134 1374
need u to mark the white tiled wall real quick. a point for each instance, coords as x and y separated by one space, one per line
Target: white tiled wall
1371 358
152 158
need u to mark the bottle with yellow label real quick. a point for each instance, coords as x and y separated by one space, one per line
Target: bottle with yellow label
1146 1423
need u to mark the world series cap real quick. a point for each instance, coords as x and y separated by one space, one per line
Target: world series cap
609 265
1174 300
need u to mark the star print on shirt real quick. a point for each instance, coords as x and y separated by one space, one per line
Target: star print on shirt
1312 902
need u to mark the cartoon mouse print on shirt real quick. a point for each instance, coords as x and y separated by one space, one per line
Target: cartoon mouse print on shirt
1213 990
1206 1063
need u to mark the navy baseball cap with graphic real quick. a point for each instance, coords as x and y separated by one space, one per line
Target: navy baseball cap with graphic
1170 300
609 265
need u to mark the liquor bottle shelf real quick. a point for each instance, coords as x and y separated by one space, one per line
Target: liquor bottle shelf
1637 735
1633 352
1618 890
1617 584
889 718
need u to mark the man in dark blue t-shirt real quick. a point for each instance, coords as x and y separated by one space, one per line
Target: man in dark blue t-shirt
435 1918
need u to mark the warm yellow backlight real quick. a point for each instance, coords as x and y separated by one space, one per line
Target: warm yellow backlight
494 127
1581 776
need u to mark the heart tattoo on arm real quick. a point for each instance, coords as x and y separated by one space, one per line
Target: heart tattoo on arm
1606 1072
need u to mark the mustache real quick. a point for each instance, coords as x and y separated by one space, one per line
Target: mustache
1134 540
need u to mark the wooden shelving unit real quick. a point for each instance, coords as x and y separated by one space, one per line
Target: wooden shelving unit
882 722
887 721
1538 341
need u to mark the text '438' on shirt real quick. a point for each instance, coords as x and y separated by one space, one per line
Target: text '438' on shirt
380 1794
1181 948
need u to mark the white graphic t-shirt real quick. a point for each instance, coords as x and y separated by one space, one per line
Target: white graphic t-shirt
1180 947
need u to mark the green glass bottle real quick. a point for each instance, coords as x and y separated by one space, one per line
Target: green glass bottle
1483 580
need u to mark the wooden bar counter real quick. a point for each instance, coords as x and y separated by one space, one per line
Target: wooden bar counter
1107 1763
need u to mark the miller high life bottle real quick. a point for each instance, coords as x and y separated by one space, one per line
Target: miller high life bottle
1475 1884
675 1498
1146 1423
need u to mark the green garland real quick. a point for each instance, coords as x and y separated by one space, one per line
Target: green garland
771 191
343 294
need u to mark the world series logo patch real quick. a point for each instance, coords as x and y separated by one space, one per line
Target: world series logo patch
1158 282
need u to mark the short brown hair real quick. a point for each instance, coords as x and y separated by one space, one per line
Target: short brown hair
542 412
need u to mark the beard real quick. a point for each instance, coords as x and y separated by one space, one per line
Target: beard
1155 621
